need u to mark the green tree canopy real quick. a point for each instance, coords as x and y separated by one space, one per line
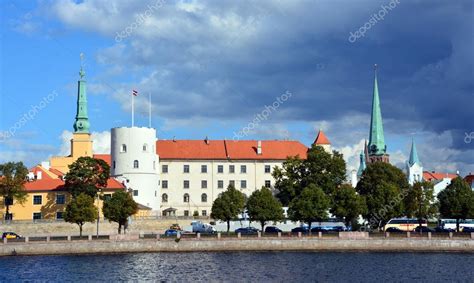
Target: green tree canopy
309 206
347 204
420 201
384 187
457 201
325 170
87 175
13 176
119 208
80 210
228 205
262 206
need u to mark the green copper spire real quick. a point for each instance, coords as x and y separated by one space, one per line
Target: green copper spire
362 165
376 138
413 155
81 125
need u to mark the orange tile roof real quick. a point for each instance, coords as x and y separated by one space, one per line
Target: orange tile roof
225 149
56 172
433 176
470 179
105 157
321 138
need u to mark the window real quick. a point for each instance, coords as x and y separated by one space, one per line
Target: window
107 197
232 183
203 184
114 164
36 215
164 168
220 168
231 168
37 200
135 193
185 168
186 184
186 213
204 198
154 164
145 147
267 169
268 184
243 184
220 184
203 168
123 148
59 215
186 198
60 199
164 198
164 184
243 169
204 213
135 164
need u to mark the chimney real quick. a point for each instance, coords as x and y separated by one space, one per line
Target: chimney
45 165
31 176
39 175
174 138
206 140
259 147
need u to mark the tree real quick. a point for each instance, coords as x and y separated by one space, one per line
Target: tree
325 170
420 201
347 204
263 207
457 201
119 208
80 210
384 187
228 205
310 206
13 176
87 175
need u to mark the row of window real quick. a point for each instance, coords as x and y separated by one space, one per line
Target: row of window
136 164
123 148
39 215
38 199
220 169
220 184
164 198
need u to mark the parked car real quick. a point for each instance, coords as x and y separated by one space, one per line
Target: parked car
440 229
394 230
318 229
171 232
247 230
11 235
303 230
175 227
423 229
468 229
203 228
272 229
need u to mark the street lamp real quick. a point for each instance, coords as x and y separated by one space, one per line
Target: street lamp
98 212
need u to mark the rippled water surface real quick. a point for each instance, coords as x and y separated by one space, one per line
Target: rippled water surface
243 266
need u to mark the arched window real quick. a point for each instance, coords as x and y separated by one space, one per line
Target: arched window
145 147
164 198
186 198
123 148
203 198
135 164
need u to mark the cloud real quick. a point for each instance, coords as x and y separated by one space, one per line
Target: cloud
100 143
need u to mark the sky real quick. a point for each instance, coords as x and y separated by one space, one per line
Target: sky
212 67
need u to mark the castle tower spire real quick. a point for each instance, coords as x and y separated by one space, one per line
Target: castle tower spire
377 149
413 154
81 125
414 167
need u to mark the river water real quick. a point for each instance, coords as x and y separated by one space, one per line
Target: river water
243 267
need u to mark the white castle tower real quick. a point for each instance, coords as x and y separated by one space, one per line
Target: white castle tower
134 160
414 167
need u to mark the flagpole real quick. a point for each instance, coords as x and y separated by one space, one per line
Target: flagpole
133 109
149 110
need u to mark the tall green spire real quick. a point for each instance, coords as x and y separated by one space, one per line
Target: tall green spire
81 125
376 138
413 155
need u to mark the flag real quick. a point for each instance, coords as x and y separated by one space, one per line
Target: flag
135 93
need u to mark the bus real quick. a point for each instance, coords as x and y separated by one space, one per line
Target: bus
451 223
404 224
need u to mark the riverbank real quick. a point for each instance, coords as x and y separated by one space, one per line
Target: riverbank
133 244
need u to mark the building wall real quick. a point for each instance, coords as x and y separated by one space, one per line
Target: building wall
414 173
81 145
255 178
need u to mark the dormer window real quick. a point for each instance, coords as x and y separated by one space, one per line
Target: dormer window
123 148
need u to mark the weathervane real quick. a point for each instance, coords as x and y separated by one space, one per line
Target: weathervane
82 74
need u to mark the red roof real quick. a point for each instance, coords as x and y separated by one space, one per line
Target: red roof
105 157
321 138
225 149
470 179
434 176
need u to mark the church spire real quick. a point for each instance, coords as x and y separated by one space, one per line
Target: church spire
81 125
376 148
413 155
362 165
